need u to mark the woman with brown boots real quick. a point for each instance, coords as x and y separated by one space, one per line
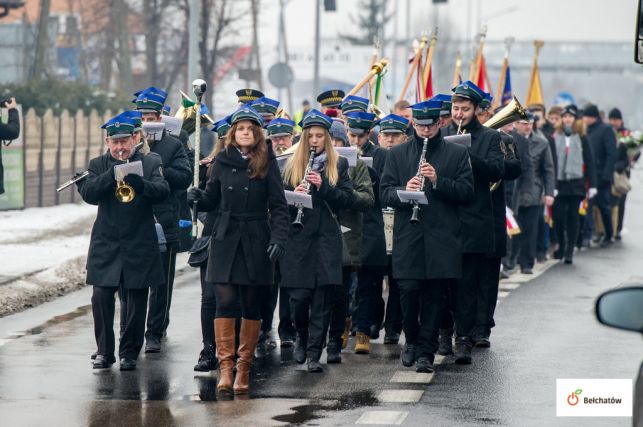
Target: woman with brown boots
249 234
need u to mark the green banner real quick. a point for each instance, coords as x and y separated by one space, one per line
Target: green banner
13 161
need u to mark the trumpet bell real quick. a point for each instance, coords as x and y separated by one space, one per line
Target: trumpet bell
188 115
512 112
124 192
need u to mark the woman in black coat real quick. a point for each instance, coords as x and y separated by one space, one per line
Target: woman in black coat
312 263
575 169
249 233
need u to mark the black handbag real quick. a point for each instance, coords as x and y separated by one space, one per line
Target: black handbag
199 252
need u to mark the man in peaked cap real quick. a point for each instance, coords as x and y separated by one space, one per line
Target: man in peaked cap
426 262
330 101
476 216
128 260
445 109
266 107
177 171
352 104
280 132
246 96
392 131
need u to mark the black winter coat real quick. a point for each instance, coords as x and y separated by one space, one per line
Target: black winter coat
576 187
512 171
433 248
250 215
123 240
487 164
8 132
603 141
314 254
178 173
520 187
373 240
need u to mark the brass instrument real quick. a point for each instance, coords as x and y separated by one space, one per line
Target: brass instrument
189 115
300 209
124 192
72 181
460 130
416 207
512 112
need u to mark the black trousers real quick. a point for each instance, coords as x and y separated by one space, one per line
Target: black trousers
566 223
526 242
393 319
421 308
487 297
369 310
132 334
447 320
158 315
311 314
286 329
603 200
339 312
208 308
621 213
466 293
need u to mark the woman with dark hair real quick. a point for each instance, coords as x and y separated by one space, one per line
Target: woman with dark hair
313 254
575 169
248 235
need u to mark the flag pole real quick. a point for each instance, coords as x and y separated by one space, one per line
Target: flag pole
427 64
458 69
503 74
412 69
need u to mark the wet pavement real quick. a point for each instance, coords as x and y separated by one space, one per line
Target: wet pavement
546 330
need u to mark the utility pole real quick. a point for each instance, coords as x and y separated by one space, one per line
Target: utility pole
42 41
317 43
193 44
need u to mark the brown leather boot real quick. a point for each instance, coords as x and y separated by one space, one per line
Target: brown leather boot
247 343
224 329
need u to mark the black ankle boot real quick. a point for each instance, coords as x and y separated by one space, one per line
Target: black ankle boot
445 342
299 353
207 359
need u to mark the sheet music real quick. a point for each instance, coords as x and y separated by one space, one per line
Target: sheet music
122 170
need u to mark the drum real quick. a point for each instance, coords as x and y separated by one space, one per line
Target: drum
389 218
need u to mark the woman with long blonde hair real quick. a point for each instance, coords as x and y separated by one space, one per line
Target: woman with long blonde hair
575 170
313 257
249 234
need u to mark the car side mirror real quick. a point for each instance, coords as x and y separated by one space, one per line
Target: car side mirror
621 308
638 40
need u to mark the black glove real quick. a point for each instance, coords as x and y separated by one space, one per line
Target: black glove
195 195
136 182
275 251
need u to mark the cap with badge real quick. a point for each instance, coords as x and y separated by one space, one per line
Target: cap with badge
360 122
166 110
280 127
354 103
470 91
331 98
445 109
485 104
120 126
316 118
221 127
245 112
426 112
393 124
570 109
137 116
150 100
248 95
265 106
529 117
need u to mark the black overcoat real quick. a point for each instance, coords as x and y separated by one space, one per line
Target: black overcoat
433 248
123 240
251 213
178 174
314 254
487 163
373 240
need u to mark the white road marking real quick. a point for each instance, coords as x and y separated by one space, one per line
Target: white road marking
503 294
412 377
439 359
508 286
400 396
382 417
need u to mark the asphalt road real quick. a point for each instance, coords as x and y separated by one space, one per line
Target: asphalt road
546 330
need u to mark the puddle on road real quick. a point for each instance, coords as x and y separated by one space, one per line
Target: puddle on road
313 411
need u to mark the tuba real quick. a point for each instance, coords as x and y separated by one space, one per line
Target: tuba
188 114
124 192
512 112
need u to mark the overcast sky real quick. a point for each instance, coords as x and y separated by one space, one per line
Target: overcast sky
586 20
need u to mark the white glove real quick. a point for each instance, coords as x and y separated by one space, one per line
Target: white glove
592 192
555 193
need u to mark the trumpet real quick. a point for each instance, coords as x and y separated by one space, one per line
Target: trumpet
416 207
124 192
297 223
